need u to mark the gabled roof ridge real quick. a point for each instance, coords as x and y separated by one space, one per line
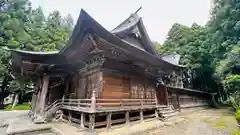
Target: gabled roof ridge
127 24
134 21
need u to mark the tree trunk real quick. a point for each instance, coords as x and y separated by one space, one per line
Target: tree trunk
3 91
15 100
3 95
21 98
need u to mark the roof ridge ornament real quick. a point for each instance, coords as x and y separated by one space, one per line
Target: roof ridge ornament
138 10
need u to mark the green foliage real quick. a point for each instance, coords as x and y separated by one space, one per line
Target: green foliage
18 107
232 83
234 100
237 115
211 51
24 28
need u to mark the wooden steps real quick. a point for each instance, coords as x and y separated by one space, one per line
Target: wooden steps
166 112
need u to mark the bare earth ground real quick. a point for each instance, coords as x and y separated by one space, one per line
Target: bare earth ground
207 122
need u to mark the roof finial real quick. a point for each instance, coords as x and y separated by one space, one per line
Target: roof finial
138 9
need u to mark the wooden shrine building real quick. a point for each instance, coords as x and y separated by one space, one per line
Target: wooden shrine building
102 78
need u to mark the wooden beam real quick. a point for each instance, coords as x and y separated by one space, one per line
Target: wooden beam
28 62
93 41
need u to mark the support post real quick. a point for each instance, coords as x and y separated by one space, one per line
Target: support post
82 120
156 100
34 100
93 101
91 122
63 98
36 108
181 79
166 95
109 120
69 116
141 115
127 117
41 104
156 113
43 93
178 101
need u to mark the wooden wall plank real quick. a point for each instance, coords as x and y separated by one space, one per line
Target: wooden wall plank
134 87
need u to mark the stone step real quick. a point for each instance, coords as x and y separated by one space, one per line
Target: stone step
162 106
166 111
170 114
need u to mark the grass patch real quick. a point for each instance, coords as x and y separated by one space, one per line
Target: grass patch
235 132
17 107
219 124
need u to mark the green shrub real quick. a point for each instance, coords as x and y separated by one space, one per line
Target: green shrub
238 114
18 107
233 100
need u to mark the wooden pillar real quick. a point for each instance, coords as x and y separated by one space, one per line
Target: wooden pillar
109 120
156 99
43 94
49 97
82 120
166 95
181 79
178 101
127 117
141 115
36 108
39 87
69 116
93 101
63 98
34 101
91 122
156 113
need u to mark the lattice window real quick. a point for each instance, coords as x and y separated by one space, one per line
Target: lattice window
134 92
141 91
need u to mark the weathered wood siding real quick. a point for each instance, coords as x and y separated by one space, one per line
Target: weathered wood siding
81 86
186 100
161 92
127 87
115 88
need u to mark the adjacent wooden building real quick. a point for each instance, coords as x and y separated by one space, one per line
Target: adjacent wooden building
102 78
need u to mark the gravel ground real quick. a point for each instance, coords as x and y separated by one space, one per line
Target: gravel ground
208 122
7 117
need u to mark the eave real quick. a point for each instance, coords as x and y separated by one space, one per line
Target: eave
86 25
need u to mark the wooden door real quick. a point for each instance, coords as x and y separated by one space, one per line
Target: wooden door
161 95
115 88
175 101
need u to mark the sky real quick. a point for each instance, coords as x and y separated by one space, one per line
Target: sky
158 15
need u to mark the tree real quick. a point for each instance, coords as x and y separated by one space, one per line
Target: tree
24 28
211 51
